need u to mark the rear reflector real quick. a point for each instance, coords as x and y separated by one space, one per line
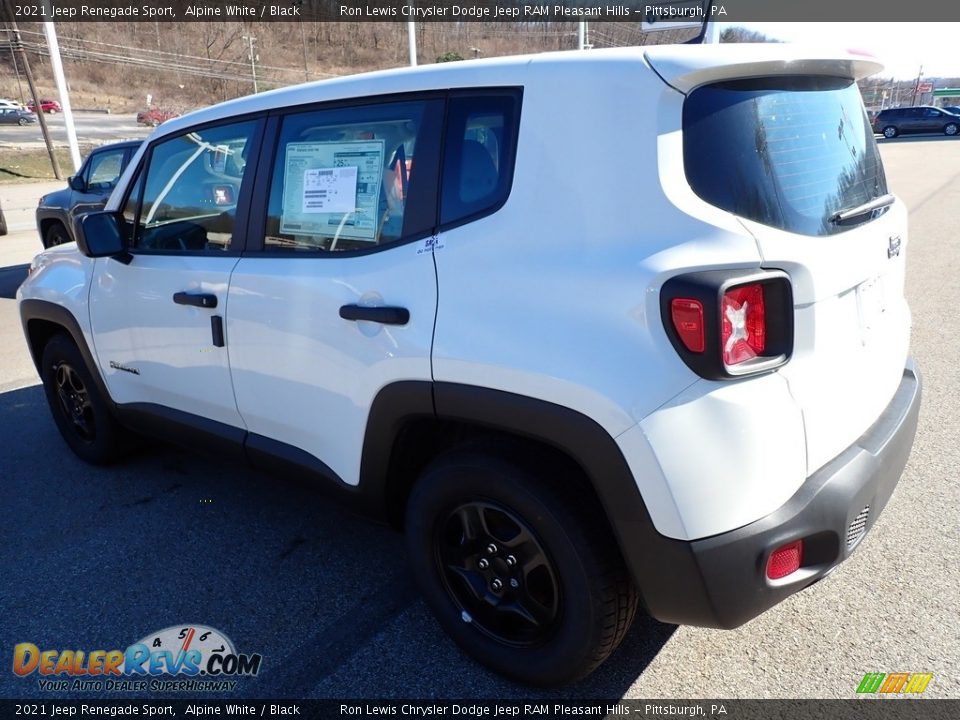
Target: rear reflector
785 560
743 332
687 316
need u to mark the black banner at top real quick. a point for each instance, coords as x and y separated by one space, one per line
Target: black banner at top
653 11
534 709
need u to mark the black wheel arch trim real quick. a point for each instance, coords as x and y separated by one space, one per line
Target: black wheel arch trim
32 309
658 565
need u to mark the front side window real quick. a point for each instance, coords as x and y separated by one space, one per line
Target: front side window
191 190
356 178
788 152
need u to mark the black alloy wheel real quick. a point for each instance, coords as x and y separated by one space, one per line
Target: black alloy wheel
513 554
80 408
498 573
75 402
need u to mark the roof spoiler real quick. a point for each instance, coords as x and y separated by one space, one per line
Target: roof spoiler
685 67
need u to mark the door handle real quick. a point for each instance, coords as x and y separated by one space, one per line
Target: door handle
385 315
204 300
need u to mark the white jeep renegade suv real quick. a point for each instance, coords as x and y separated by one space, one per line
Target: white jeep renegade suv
597 330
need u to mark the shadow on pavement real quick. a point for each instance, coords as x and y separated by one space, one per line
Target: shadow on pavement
170 538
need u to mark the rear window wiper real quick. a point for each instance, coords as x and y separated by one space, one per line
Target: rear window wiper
878 203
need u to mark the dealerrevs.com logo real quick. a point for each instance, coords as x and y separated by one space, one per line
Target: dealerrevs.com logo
186 658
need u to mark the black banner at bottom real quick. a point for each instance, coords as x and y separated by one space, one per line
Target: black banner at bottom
858 709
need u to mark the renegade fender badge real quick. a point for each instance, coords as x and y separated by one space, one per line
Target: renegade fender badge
117 366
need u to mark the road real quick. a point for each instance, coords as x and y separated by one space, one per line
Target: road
98 558
94 128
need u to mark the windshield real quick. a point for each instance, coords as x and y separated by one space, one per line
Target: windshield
789 152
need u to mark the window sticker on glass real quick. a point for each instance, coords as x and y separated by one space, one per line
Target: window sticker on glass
333 188
330 190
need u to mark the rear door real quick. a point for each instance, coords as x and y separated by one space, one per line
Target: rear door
337 297
785 154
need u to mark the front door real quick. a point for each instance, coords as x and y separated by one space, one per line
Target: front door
157 319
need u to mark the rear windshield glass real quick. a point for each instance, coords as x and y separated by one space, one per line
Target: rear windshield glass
787 152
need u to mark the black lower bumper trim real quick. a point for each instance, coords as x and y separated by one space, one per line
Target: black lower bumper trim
721 581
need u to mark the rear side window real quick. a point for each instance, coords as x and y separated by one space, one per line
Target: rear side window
356 178
786 152
480 150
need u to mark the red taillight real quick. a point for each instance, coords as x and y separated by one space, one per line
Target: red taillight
687 316
785 560
743 332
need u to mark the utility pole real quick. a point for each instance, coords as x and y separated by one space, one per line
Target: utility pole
253 61
412 40
18 43
16 67
64 93
916 88
303 41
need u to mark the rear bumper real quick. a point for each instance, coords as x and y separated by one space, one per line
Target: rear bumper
721 581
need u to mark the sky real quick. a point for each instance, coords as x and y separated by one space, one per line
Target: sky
903 47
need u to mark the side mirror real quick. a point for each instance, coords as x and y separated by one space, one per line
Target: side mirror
101 234
76 183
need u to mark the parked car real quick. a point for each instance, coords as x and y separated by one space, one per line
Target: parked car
86 191
955 109
48 106
11 104
3 222
14 116
600 331
155 116
920 119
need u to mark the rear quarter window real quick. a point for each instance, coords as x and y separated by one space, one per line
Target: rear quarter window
481 143
787 152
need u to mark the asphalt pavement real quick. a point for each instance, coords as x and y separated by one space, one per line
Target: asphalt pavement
98 558
91 127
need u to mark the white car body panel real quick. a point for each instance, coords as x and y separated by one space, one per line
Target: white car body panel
556 295
137 326
62 276
852 326
732 452
307 377
685 67
561 257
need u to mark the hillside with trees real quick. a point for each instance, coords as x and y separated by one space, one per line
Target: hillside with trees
115 65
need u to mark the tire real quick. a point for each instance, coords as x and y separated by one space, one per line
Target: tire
22 121
56 235
950 129
564 601
81 413
890 131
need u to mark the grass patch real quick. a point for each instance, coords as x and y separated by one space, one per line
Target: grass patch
17 165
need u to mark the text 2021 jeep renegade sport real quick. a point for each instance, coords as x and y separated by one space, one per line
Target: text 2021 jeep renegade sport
598 330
